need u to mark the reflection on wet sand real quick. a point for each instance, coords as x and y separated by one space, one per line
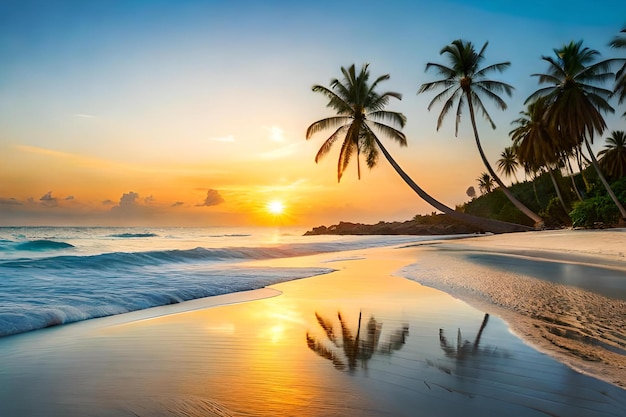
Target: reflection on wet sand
249 359
463 349
356 349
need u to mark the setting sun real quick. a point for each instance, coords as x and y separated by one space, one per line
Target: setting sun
276 207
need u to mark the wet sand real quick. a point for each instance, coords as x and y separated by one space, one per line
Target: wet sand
564 292
420 351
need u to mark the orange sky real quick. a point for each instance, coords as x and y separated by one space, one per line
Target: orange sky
194 113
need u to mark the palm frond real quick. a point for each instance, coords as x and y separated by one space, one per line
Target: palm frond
327 123
328 143
394 117
390 132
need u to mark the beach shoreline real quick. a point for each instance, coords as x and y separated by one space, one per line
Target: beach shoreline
578 327
427 346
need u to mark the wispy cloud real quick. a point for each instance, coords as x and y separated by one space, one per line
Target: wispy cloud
84 115
10 202
283 152
228 138
43 151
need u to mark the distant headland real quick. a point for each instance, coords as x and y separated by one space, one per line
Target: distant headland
419 225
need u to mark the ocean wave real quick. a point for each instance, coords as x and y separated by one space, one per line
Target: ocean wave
133 235
232 235
79 296
125 260
114 260
42 245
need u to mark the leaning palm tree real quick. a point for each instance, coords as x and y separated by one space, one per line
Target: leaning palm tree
575 100
536 144
464 82
620 76
613 157
508 163
358 107
485 183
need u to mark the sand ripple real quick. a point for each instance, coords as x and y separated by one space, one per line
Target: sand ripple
582 329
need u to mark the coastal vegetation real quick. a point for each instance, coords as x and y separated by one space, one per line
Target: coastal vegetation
554 133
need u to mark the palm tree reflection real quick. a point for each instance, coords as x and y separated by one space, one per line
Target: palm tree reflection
354 349
463 349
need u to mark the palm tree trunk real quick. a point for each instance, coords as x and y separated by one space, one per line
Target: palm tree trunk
490 225
571 175
594 161
557 189
538 220
579 160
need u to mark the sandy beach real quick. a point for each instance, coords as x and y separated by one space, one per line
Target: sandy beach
562 291
360 341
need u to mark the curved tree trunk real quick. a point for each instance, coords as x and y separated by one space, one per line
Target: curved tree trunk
490 225
528 212
571 175
557 189
594 161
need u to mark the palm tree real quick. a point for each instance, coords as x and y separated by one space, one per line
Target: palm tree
359 108
465 82
620 76
536 144
485 183
508 163
613 157
575 102
352 116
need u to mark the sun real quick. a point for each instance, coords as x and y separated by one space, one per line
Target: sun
275 207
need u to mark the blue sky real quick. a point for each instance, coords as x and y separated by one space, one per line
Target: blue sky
174 100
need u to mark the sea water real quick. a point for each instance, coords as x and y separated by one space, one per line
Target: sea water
57 275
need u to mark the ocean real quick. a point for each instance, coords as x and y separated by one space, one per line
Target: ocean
57 275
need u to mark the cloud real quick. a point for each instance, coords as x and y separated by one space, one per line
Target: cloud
128 200
178 204
129 204
280 152
83 115
42 151
10 202
276 134
213 198
47 200
149 199
69 197
227 138
108 202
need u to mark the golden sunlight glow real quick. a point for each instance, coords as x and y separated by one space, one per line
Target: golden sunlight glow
276 207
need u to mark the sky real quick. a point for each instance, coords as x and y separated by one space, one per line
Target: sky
194 113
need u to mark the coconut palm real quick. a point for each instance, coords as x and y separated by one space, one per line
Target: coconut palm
464 82
613 157
536 144
354 116
620 76
508 163
575 100
359 109
485 183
